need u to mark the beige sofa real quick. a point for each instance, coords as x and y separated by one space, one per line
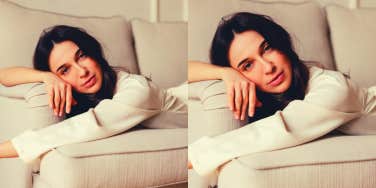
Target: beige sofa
137 158
340 38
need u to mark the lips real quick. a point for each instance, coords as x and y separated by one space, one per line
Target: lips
90 82
277 80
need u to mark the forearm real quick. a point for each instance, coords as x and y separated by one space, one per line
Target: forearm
289 128
7 150
199 71
20 75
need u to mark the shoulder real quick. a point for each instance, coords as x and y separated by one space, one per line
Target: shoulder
331 88
135 87
126 80
323 77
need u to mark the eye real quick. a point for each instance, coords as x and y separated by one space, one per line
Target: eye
64 70
81 55
266 48
247 66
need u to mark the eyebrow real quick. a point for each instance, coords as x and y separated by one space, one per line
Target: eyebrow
75 57
245 60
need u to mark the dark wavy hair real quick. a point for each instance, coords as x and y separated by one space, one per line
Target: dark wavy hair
278 39
91 47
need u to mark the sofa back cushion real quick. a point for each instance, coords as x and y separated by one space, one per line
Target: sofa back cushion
305 21
161 51
353 35
21 28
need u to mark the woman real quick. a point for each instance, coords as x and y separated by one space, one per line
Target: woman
289 103
99 101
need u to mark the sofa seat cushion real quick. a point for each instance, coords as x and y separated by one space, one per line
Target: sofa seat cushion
333 161
137 141
144 158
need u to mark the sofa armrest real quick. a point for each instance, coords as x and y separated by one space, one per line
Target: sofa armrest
209 114
24 107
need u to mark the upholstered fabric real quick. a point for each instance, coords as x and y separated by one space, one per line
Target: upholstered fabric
353 39
129 142
208 111
22 28
20 115
118 170
15 174
331 162
161 50
309 39
140 158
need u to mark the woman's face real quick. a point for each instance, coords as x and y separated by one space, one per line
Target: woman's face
70 63
268 68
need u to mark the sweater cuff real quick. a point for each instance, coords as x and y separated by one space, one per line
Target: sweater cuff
28 147
204 156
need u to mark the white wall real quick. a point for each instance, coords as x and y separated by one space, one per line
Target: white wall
351 3
152 10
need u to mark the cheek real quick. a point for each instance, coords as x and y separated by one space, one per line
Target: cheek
254 77
71 80
92 64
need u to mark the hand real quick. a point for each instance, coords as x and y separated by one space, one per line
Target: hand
60 94
189 165
241 93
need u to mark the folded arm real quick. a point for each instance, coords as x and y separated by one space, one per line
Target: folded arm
12 76
330 102
135 101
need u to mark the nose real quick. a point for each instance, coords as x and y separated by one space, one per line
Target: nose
82 70
268 66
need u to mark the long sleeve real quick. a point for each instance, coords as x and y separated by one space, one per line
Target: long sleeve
135 100
331 100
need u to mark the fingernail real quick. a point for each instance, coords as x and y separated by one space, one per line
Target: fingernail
251 114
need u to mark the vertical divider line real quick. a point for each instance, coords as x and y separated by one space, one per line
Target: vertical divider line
354 4
154 10
185 10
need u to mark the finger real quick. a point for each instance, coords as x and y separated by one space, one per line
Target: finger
74 102
238 101
258 103
252 100
245 91
50 91
56 100
230 97
62 99
189 165
69 101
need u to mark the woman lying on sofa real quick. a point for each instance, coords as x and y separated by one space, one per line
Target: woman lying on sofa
100 101
288 102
